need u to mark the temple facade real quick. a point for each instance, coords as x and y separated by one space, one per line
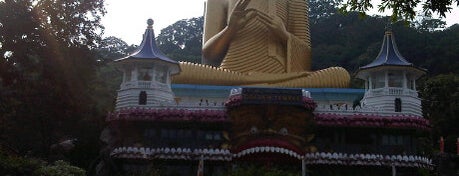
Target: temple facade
178 128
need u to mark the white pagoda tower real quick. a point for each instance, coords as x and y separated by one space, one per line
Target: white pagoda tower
390 81
146 75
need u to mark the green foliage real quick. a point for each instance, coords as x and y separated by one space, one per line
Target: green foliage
400 9
60 168
15 165
440 102
346 41
112 48
47 76
18 166
351 42
428 24
321 9
262 171
182 41
152 171
423 172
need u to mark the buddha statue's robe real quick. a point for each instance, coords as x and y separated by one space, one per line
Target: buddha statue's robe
255 56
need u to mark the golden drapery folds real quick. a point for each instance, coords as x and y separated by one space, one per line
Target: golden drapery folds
258 42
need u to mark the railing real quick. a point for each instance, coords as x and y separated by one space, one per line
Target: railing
379 91
143 84
395 91
411 92
325 108
392 91
197 106
361 111
368 148
180 105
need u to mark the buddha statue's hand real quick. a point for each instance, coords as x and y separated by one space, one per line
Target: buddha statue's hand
275 24
215 49
239 16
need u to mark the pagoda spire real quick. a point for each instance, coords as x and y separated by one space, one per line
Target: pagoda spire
149 50
389 25
389 54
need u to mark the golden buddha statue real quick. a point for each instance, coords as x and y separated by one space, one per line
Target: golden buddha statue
260 43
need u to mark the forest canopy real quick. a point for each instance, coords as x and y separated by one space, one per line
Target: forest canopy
402 8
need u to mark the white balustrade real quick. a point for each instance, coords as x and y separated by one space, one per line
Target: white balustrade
391 91
144 85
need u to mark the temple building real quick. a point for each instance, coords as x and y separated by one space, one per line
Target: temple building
318 131
146 75
390 80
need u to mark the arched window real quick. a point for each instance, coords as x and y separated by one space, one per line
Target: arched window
398 105
142 98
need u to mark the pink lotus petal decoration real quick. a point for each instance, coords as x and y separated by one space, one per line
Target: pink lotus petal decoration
146 114
371 120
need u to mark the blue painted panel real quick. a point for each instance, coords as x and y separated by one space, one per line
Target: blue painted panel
318 94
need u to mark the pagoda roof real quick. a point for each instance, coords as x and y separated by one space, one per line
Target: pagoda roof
148 49
389 55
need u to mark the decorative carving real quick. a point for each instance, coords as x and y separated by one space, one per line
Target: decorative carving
284 124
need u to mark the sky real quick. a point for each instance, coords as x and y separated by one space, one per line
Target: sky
128 19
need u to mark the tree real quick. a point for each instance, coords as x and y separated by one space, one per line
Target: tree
46 71
319 9
427 24
402 8
14 165
440 104
252 169
351 42
346 40
182 41
112 48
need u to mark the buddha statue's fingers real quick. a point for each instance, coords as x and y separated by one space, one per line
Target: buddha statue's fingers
241 5
239 16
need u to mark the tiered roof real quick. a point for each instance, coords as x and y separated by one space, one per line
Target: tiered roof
149 51
390 56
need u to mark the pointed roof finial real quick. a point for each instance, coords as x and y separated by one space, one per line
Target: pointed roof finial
148 50
389 26
150 23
